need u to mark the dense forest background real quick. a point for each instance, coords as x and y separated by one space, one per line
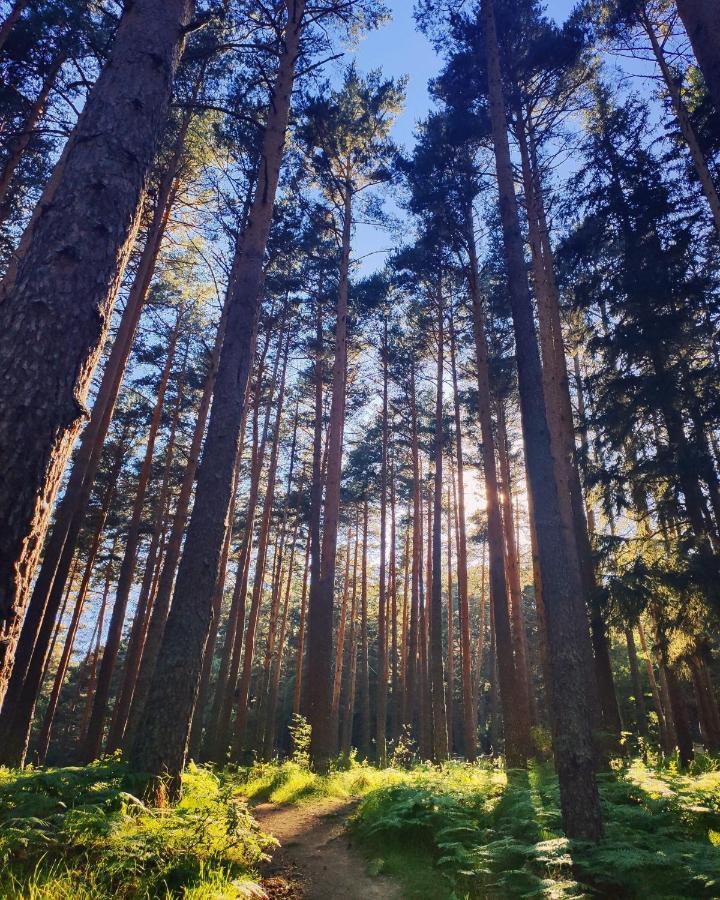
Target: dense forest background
416 443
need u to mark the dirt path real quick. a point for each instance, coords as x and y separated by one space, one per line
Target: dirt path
316 859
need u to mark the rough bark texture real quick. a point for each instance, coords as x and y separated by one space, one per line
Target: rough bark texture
161 741
57 297
574 752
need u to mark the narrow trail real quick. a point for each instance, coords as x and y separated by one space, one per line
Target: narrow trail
316 859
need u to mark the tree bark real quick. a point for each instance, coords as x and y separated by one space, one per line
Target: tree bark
382 661
364 743
57 297
574 751
320 610
13 17
161 742
638 694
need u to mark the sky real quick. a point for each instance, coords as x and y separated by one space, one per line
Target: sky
399 49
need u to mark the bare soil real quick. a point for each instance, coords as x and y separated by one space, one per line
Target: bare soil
316 859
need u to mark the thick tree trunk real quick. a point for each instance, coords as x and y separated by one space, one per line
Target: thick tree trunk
162 737
70 512
701 21
56 299
320 611
574 751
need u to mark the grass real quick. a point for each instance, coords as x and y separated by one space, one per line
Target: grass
456 831
84 833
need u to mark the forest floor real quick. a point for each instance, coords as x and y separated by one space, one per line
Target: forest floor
417 832
316 859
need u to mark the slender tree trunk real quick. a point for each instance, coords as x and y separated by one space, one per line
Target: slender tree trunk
340 643
469 723
21 141
450 702
437 675
393 611
667 738
163 596
320 612
348 718
94 735
145 599
574 751
515 720
57 297
243 692
412 675
382 662
299 649
638 694
162 737
98 640
364 662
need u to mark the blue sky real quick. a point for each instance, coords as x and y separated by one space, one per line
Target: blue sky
400 50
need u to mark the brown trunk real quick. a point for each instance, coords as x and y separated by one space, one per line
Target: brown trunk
98 638
364 744
161 742
349 713
707 705
46 730
382 661
638 694
243 691
69 515
340 642
20 142
393 612
94 735
320 611
145 598
56 299
667 737
512 568
437 675
450 701
469 723
574 751
681 718
300 647
405 625
516 722
413 649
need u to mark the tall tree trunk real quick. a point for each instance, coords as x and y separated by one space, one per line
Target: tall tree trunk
515 720
700 19
340 642
666 727
556 390
437 675
393 611
57 297
300 647
469 723
382 661
161 742
93 738
574 751
60 546
450 702
243 691
638 694
98 640
688 132
348 718
21 141
143 609
320 611
413 649
364 743
46 730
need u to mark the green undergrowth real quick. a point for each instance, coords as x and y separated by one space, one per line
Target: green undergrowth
496 835
84 833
